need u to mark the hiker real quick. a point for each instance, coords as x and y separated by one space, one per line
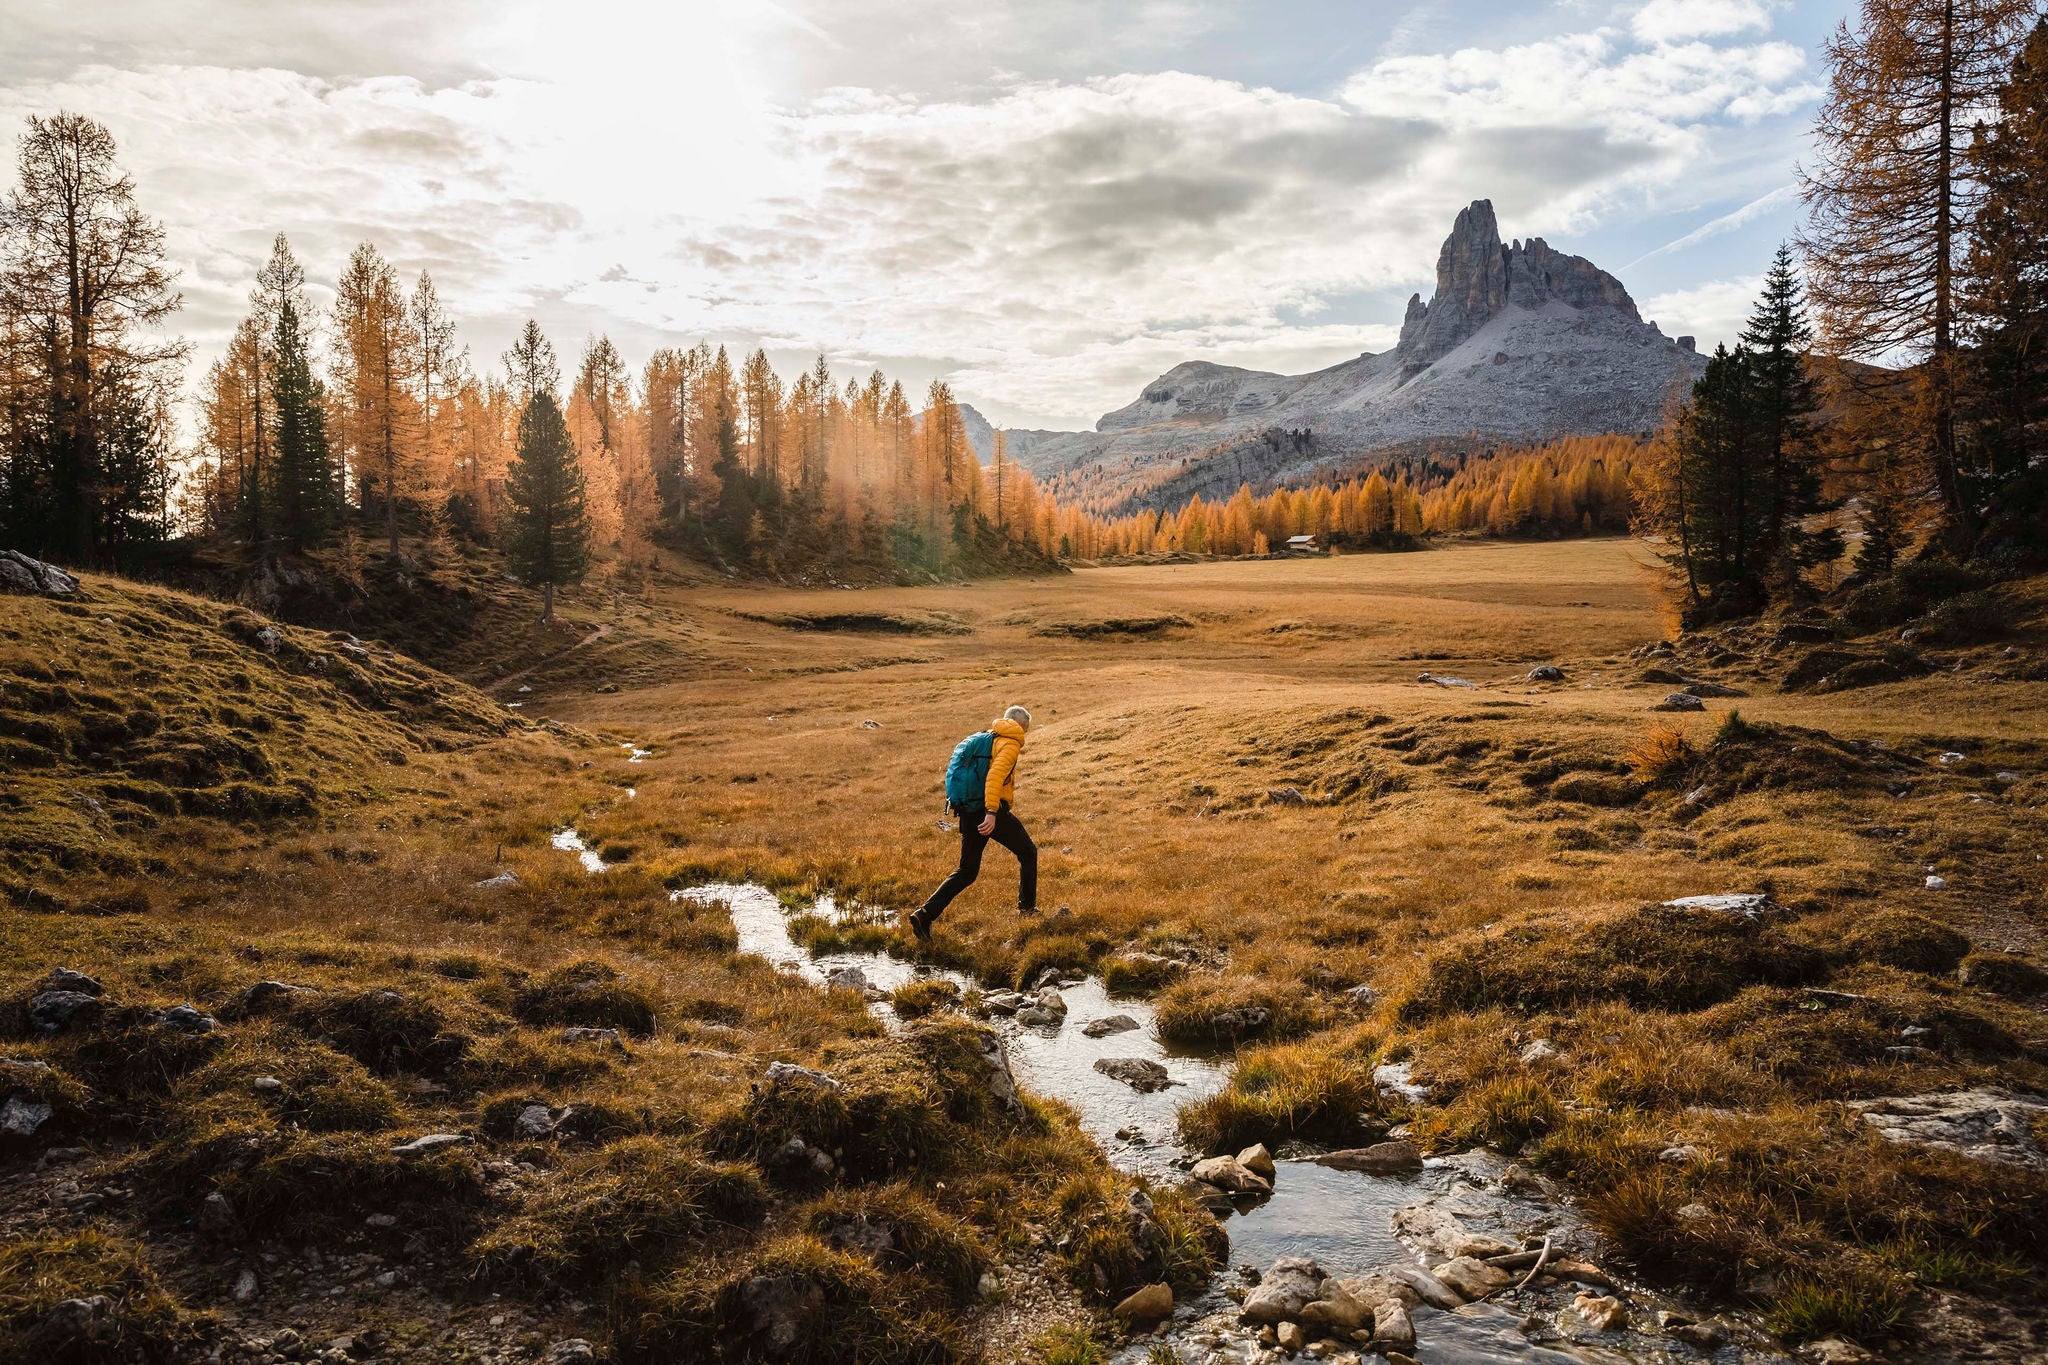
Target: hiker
981 784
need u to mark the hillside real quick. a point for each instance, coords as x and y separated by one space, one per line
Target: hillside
1519 342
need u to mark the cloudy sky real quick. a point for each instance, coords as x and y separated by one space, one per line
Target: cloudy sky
1047 201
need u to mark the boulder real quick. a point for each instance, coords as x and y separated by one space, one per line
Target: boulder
1472 1279
1382 1158
1392 1328
789 1073
1546 673
1139 1073
64 979
1287 1287
1984 1124
1680 701
1150 1304
848 979
20 1117
1837 1351
1340 1310
1047 1009
1115 1023
1257 1160
19 573
1228 1173
55 1011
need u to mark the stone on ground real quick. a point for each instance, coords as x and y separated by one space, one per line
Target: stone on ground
1150 1304
1382 1158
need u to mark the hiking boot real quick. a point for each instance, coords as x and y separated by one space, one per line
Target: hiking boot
920 926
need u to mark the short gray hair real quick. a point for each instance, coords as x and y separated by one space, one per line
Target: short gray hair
1018 714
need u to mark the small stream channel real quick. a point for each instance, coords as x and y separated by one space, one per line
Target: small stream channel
1343 1220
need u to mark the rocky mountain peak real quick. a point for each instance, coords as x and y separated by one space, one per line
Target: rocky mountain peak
1478 277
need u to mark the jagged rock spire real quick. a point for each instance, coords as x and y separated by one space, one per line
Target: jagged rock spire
1477 277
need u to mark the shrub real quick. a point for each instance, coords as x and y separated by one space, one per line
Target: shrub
1141 974
900 1229
794 1299
1215 1010
1653 958
1317 1091
633 1200
1660 751
587 994
1900 938
40 1270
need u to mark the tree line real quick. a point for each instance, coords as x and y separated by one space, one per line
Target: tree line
1918 328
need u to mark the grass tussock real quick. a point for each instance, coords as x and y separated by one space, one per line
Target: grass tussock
1217 1010
143 1320
1320 1090
901 1229
1122 1238
588 994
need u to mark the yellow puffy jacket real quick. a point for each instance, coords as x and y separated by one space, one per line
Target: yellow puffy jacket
1002 763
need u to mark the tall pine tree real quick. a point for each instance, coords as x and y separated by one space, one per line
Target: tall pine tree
1782 406
308 489
548 537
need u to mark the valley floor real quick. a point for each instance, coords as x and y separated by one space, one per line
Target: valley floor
1247 806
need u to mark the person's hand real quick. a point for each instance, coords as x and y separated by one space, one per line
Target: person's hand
987 825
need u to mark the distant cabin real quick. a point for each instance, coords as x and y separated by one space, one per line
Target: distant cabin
1303 545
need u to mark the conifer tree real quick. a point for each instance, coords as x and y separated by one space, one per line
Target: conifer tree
531 366
2006 298
548 540
1891 193
1782 406
307 488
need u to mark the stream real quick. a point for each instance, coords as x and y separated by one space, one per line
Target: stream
1343 1220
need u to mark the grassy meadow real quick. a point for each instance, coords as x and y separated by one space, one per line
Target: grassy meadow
1246 806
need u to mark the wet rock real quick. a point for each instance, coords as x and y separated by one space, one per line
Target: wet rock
1382 1158
1472 1279
848 979
431 1143
65 979
1139 1073
1709 1335
1115 1023
1341 1309
1546 673
1584 1272
55 1011
605 1037
19 573
1257 1160
1601 1312
1228 1173
1290 1337
1434 1227
184 1019
1539 1050
1289 1285
572 1351
1680 701
21 1117
1048 1009
1392 1328
1150 1304
1004 1002
1424 1285
1984 1124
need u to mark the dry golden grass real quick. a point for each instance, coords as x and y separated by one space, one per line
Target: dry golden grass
1482 858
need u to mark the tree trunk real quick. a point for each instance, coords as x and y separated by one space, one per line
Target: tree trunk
1941 363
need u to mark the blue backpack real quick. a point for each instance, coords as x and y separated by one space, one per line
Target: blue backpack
967 773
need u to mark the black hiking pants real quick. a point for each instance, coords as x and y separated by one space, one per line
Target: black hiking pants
1009 832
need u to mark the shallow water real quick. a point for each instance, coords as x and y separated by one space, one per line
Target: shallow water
1341 1219
569 841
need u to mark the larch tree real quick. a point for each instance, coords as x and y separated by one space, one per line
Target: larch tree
82 271
1891 194
376 361
439 372
548 535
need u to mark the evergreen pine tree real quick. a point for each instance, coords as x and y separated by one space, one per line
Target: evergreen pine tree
1783 403
548 539
307 487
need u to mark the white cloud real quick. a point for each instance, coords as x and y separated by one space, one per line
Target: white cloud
1714 312
1051 243
1726 223
1665 21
